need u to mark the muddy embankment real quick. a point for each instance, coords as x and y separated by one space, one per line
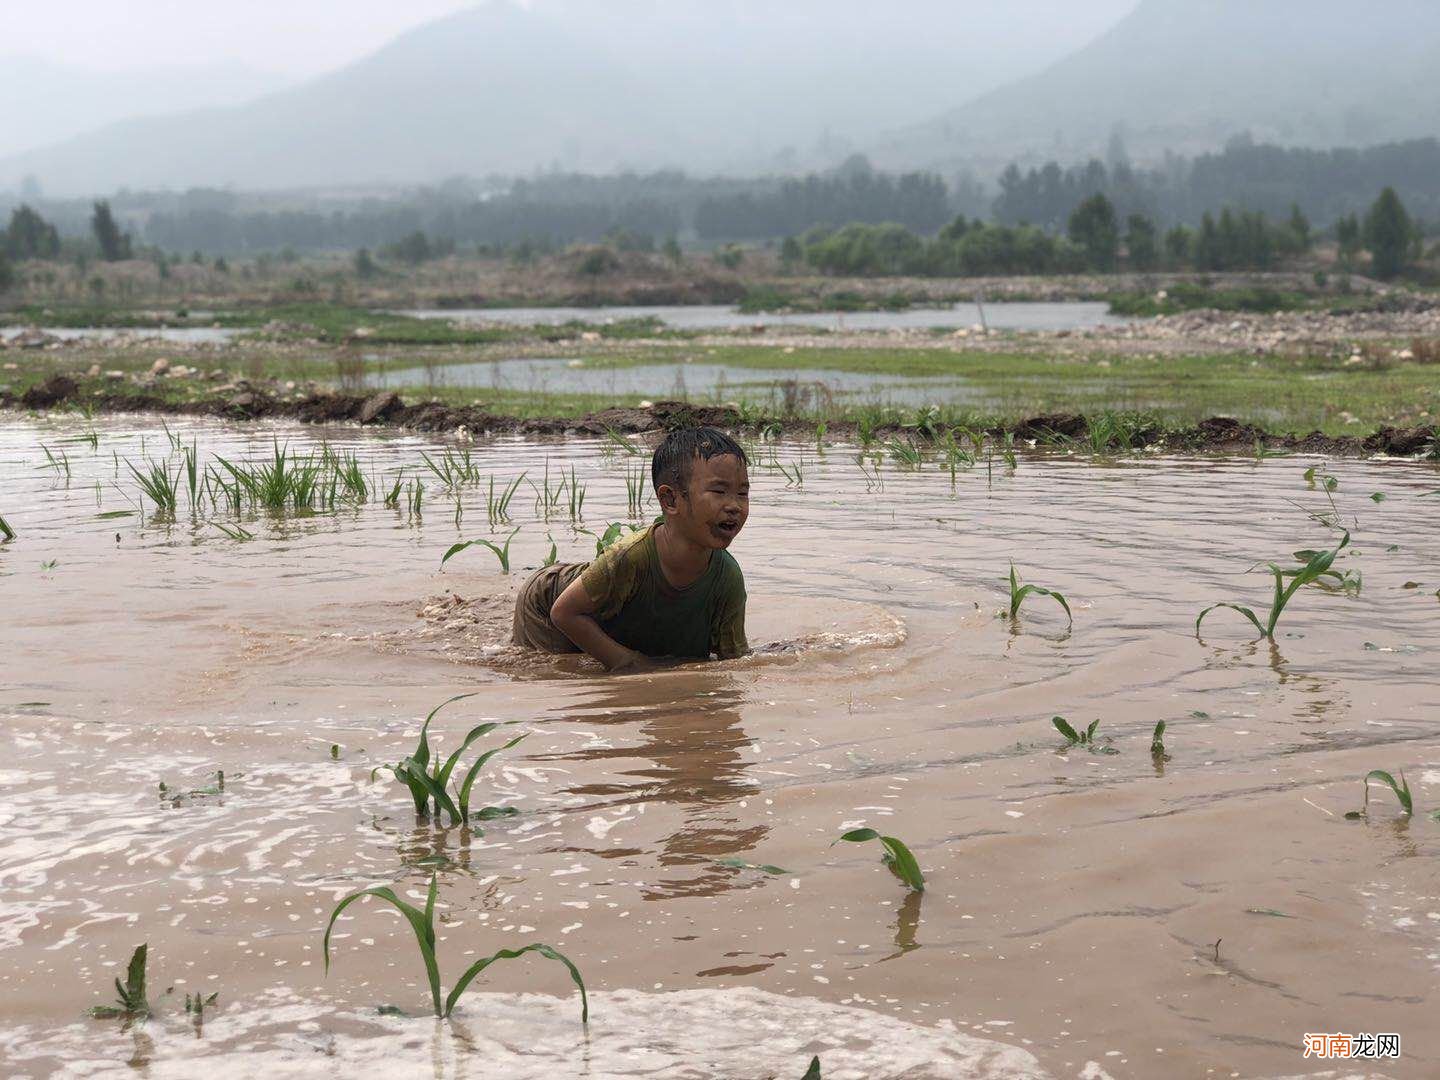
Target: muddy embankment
246 401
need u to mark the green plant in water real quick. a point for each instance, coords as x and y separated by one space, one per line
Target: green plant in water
905 452
158 485
820 429
1328 482
1401 790
502 552
813 1072
1317 566
130 995
497 507
1157 743
897 856
611 536
794 475
1086 738
427 787
59 465
577 497
635 491
423 924
6 532
1019 592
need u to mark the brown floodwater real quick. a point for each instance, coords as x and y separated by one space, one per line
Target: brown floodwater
1086 914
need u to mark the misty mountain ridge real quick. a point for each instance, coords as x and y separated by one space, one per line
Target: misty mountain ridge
1187 75
711 85
758 86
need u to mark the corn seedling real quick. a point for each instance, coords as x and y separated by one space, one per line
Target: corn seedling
1328 482
794 475
433 786
129 995
635 491
59 464
813 1072
1084 738
158 485
611 536
1157 743
392 499
453 469
820 429
897 856
196 1004
547 498
6 532
1401 790
620 442
502 552
423 924
48 565
497 507
554 552
577 497
1019 592
1316 567
873 480
414 496
904 452
234 532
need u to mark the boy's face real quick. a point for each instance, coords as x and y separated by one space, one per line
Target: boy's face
713 508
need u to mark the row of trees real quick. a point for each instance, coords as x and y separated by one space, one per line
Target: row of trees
1095 239
1325 184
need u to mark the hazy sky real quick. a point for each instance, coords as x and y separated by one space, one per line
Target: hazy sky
306 37
293 37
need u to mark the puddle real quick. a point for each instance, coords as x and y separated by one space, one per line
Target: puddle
1073 901
1070 315
193 335
683 381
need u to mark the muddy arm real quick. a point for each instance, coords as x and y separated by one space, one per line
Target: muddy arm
573 614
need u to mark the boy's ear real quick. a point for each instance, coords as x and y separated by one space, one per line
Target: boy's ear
668 498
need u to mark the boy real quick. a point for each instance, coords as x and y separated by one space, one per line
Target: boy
669 590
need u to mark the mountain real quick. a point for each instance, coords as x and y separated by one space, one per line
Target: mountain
62 101
1189 74
722 85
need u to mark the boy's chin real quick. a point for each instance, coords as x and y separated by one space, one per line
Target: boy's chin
719 538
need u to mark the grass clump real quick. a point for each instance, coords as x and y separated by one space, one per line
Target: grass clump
897 856
1317 566
1019 592
429 783
423 924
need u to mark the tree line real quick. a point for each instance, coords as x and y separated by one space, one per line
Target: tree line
1096 239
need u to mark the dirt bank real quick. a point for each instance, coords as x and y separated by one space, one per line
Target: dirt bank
244 401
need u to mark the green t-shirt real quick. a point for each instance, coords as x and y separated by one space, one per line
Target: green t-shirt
640 609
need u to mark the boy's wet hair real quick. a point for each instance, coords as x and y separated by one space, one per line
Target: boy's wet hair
674 458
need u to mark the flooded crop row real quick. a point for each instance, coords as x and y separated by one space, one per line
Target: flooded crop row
195 705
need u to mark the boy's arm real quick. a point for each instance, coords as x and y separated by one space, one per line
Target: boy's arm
573 614
727 634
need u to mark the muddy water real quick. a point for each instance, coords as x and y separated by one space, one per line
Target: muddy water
1086 914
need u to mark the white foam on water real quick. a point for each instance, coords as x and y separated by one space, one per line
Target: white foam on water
741 1034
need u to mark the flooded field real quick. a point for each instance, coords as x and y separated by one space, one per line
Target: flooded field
1087 913
1064 315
